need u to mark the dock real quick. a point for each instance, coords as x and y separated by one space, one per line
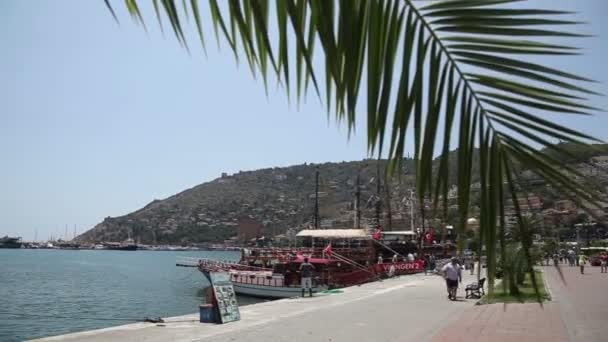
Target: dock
408 308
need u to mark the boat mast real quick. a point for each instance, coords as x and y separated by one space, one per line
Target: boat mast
389 210
378 202
317 199
358 204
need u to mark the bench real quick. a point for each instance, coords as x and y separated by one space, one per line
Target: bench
475 290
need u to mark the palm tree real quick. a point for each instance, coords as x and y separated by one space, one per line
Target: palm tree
459 64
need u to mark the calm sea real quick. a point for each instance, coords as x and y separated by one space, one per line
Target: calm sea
51 292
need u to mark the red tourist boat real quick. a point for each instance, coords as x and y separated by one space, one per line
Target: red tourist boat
341 257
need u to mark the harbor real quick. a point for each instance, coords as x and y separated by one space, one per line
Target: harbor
52 291
303 171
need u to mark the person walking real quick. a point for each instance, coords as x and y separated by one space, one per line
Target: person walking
555 260
410 257
472 264
306 271
604 262
582 260
452 275
432 263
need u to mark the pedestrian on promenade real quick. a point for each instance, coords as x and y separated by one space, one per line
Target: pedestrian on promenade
582 260
306 270
410 257
555 260
432 263
604 262
452 275
472 265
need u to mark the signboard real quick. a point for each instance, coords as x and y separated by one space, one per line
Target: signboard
228 308
401 267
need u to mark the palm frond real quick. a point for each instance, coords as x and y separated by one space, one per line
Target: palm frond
460 62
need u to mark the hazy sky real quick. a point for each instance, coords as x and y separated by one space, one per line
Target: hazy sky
98 119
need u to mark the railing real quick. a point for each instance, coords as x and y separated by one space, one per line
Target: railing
195 262
287 254
258 279
215 265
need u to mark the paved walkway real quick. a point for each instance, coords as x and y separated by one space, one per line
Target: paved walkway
578 312
410 308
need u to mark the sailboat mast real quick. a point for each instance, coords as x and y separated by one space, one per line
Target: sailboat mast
412 211
378 186
358 204
317 199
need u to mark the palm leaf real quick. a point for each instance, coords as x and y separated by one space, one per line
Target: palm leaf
460 62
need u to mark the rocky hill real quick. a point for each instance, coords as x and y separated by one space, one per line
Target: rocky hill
280 198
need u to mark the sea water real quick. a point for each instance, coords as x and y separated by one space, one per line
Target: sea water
52 292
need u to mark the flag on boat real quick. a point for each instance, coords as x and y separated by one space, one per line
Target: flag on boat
378 234
327 251
430 236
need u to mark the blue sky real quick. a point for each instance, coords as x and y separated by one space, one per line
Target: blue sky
98 119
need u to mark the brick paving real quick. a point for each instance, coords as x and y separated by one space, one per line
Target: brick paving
578 312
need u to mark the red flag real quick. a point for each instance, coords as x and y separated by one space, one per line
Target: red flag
377 235
327 250
429 237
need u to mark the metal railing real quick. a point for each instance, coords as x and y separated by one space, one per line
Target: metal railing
215 264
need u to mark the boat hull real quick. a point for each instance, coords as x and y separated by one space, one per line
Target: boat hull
271 292
122 248
10 245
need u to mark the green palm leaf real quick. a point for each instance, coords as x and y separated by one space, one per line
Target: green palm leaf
458 62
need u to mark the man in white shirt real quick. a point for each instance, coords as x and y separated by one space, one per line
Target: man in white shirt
410 257
452 275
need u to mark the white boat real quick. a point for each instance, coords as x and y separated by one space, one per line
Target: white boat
265 284
273 292
249 280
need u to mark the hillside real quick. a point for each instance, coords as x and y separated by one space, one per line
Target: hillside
281 198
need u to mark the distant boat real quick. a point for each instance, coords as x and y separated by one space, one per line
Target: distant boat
68 245
127 245
10 242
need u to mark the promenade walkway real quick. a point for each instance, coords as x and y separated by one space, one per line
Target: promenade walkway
578 312
409 308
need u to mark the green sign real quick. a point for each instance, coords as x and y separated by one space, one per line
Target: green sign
225 297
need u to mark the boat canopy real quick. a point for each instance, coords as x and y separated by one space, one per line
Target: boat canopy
335 233
400 232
